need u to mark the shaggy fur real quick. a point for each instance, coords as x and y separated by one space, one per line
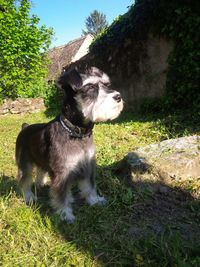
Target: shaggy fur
63 148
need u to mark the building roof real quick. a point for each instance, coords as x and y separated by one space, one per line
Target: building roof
62 56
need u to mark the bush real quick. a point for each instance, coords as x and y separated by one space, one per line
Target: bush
52 97
23 46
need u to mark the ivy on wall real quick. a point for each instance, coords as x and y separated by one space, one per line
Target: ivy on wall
178 20
183 79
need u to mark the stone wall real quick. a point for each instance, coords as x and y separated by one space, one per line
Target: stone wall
138 68
22 105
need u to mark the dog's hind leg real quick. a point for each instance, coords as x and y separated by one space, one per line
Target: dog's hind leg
25 181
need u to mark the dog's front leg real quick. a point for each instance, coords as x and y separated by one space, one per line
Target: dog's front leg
87 185
93 198
89 193
41 178
61 200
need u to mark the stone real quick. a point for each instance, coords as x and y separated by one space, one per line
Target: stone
21 105
174 159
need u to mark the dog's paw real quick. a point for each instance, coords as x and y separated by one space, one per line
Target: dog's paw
101 201
30 198
96 200
67 215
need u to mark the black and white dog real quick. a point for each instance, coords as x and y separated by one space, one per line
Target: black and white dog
63 148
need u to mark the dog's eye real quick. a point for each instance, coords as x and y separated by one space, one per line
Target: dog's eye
107 84
90 87
108 91
106 87
90 91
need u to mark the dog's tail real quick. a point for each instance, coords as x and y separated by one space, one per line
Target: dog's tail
24 125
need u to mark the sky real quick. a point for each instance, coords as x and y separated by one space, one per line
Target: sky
67 17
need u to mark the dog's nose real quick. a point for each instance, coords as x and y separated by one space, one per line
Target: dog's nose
117 97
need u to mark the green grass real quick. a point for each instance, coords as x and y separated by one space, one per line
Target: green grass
100 236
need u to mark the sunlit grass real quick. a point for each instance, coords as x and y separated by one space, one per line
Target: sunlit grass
34 236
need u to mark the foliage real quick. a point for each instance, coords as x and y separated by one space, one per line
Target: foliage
22 50
52 98
135 24
95 23
178 20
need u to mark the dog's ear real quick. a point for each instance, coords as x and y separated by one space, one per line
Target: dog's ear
70 78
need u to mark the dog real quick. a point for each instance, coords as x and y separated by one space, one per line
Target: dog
63 148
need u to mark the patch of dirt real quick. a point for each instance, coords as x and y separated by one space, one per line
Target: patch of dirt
163 211
166 198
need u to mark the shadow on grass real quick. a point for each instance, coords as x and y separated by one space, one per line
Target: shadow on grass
143 223
7 185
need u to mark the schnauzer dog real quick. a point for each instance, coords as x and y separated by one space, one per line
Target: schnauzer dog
63 148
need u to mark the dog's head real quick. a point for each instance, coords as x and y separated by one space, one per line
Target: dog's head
92 93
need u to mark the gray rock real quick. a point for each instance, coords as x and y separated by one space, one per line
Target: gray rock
174 159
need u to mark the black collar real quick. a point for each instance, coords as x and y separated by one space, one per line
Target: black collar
75 131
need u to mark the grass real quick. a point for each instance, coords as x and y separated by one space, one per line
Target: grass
100 236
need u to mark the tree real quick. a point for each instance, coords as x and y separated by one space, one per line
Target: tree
95 23
23 44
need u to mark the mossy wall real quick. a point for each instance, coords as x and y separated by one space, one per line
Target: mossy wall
138 69
151 51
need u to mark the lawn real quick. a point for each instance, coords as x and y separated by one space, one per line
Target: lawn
113 235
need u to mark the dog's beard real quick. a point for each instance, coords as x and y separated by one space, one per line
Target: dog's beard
104 108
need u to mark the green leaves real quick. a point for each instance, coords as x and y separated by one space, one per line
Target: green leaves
183 27
22 47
